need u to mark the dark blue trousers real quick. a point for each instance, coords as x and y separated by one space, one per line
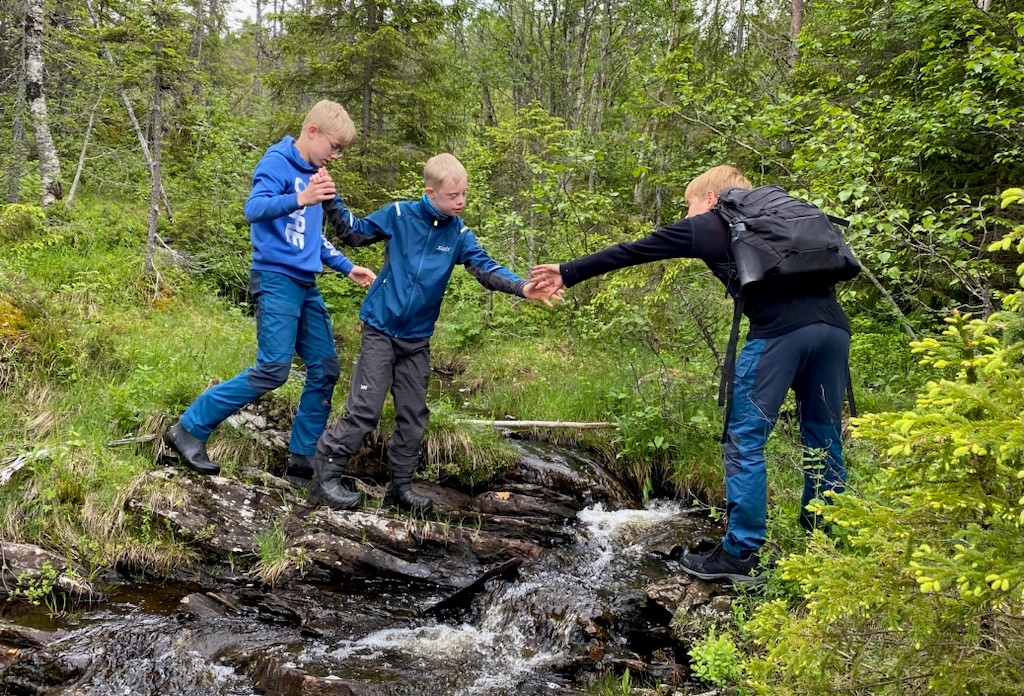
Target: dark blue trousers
290 318
813 361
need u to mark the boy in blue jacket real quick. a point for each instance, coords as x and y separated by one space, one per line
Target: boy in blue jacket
286 217
425 239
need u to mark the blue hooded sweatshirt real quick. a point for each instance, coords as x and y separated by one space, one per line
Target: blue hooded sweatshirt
423 247
286 238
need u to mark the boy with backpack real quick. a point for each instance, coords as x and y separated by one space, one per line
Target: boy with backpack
425 240
799 339
286 218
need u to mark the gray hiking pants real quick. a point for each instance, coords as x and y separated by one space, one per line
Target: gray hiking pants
385 364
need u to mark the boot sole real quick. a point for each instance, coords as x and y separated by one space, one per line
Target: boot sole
733 578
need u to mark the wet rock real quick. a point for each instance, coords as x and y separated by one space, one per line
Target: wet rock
273 678
39 671
226 517
207 605
32 573
694 605
571 473
24 637
509 503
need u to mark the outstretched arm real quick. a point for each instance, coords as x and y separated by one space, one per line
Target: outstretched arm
535 290
493 276
351 230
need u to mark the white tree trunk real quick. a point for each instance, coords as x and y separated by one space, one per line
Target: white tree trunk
156 190
49 163
81 158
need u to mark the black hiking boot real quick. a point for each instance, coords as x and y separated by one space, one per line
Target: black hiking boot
329 486
717 564
191 450
300 469
401 495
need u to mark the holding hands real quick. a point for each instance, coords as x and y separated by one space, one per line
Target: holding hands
545 283
320 188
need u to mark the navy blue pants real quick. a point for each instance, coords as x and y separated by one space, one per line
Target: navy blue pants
290 318
814 361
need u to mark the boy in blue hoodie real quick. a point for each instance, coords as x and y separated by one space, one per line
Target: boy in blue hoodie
425 240
286 217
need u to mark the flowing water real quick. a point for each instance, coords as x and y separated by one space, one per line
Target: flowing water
545 631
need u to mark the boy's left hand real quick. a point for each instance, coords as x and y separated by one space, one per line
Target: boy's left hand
533 291
363 277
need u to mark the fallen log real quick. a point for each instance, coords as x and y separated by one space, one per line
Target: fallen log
515 424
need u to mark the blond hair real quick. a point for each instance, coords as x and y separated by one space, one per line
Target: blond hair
331 118
442 168
716 180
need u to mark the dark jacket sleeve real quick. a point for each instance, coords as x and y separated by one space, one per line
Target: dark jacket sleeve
351 230
488 272
704 237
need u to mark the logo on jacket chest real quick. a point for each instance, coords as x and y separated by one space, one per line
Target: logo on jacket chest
442 247
295 230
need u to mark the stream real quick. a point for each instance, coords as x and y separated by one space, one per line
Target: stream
543 626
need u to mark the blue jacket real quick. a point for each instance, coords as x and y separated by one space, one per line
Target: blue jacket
286 238
423 247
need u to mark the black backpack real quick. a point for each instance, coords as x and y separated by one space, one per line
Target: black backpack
776 241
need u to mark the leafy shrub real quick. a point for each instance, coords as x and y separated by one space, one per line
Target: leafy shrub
929 564
19 222
716 660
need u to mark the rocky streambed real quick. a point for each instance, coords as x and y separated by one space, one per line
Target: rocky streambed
536 585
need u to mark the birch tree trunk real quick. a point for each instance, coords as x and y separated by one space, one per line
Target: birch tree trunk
81 157
156 190
49 163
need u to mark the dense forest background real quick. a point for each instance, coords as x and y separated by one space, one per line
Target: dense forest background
131 128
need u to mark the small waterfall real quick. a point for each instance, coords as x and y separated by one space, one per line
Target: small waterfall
524 632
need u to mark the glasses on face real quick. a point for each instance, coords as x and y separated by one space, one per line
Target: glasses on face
336 148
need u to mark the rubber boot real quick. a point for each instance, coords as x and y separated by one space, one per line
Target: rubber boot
191 450
401 495
329 486
300 469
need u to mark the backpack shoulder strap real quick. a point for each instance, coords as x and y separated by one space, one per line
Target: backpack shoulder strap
725 387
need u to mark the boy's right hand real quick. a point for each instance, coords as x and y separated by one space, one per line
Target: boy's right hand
547 276
320 188
363 277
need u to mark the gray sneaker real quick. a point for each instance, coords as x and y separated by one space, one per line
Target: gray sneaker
718 564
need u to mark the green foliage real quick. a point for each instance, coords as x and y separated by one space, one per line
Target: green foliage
716 660
929 561
461 453
20 222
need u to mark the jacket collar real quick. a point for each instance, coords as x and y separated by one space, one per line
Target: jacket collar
433 213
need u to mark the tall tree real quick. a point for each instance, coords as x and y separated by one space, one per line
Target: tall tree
35 95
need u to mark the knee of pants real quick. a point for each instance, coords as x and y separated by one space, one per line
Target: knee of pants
331 370
269 376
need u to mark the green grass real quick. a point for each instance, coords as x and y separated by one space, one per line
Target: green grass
92 351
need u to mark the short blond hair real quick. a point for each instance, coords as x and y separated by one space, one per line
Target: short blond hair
716 180
331 118
442 168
